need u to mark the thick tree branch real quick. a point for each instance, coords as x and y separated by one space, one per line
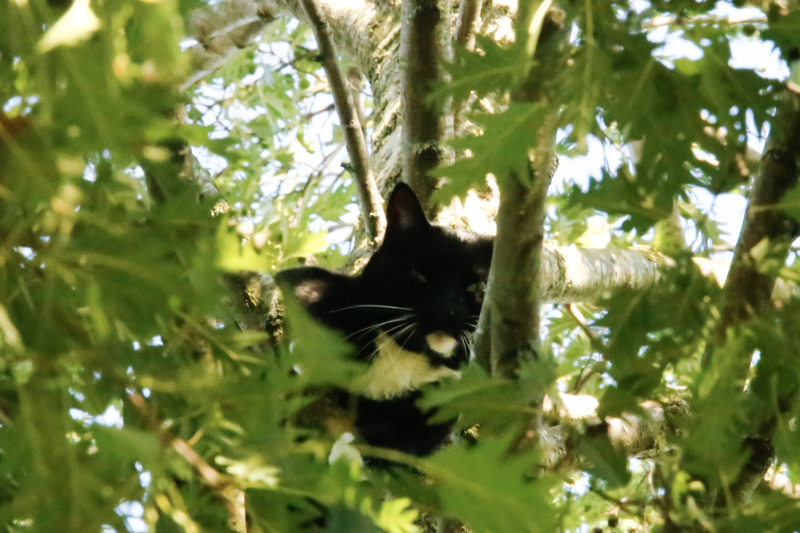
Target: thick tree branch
573 275
517 258
762 249
369 198
767 232
421 130
222 30
230 25
516 268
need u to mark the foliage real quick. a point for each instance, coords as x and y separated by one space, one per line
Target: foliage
120 336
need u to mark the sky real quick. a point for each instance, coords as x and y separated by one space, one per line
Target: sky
747 53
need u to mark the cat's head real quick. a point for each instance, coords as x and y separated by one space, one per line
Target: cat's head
423 287
431 280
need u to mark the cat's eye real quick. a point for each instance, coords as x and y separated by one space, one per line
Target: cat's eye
478 287
418 275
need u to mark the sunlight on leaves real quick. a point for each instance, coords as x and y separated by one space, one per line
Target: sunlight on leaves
251 473
394 516
77 25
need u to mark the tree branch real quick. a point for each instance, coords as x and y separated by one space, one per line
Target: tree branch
468 18
229 493
767 232
762 249
517 259
636 435
421 131
573 275
369 198
222 30
230 25
517 268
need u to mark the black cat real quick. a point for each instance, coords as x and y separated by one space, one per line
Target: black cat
410 313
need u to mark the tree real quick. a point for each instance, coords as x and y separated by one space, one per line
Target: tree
159 160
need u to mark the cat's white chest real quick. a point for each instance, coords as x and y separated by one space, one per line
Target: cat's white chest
395 371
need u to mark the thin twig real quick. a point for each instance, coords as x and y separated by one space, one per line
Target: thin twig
597 344
669 20
466 26
468 17
369 198
594 338
482 338
325 109
221 484
582 379
420 50
354 79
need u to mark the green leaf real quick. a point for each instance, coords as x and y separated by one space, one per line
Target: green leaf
790 203
319 355
126 444
394 516
491 491
251 473
491 68
603 460
501 149
688 66
478 399
236 256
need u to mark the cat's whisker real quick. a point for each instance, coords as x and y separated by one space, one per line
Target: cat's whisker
465 339
371 306
392 331
409 327
392 337
461 339
364 331
407 338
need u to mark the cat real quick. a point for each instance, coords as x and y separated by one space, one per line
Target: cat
410 313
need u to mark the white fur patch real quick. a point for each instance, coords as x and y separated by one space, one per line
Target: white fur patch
441 343
395 371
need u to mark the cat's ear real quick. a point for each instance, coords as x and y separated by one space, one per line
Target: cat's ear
404 210
312 285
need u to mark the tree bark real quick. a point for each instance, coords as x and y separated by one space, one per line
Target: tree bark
761 251
767 231
420 51
369 198
516 274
